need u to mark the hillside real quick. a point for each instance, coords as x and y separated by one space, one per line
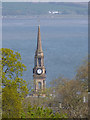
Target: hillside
29 8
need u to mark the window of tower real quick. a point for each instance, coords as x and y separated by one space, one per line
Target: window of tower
39 85
39 61
35 62
44 82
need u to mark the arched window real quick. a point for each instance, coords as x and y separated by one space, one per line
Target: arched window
39 85
44 84
35 62
39 61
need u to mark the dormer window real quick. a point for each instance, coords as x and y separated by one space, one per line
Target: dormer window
39 61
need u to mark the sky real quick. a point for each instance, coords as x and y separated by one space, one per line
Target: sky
44 0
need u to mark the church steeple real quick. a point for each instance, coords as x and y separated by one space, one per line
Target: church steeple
39 45
39 71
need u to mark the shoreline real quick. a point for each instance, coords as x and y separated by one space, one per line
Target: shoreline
43 16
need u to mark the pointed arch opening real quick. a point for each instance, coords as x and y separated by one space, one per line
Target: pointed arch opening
39 85
39 61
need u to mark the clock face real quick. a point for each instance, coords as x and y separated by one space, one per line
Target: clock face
39 71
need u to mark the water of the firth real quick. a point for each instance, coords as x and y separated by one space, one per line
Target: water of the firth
64 42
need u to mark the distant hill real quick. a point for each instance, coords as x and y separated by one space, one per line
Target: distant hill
30 8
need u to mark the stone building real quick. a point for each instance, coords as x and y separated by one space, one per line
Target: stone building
39 71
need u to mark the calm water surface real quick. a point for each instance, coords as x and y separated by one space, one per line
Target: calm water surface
64 42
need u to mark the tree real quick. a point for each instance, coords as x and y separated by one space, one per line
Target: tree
40 112
82 75
14 88
11 102
73 94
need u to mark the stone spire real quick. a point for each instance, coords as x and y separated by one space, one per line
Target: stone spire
39 45
39 71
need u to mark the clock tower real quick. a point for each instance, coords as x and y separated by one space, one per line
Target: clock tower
39 70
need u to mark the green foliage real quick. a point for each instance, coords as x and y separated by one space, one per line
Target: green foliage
40 112
12 66
11 102
14 88
12 71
